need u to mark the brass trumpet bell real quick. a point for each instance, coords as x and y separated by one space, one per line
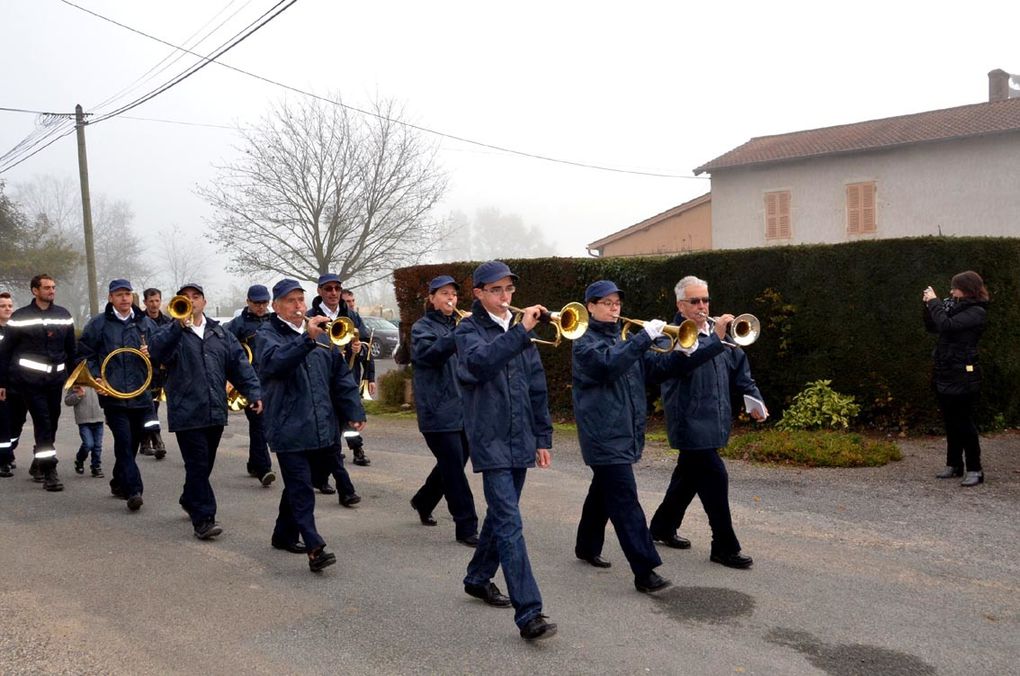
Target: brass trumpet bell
81 376
461 314
179 307
571 322
685 335
235 400
744 329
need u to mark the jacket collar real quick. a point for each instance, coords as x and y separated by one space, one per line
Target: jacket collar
248 316
136 313
479 312
608 328
438 316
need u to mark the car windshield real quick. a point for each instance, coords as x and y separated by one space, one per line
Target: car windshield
378 323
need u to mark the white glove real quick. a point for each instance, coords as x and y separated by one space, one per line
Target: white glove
653 328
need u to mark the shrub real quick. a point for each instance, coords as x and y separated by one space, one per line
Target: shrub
821 448
819 406
391 388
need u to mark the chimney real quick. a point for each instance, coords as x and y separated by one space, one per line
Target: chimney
998 85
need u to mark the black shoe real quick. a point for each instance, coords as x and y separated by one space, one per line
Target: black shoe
350 500
735 560
268 478
135 503
360 459
538 627
673 541
326 489
79 466
207 530
469 541
489 593
6 471
97 472
159 453
146 450
950 472
650 582
320 559
296 547
117 493
35 472
425 517
596 561
51 481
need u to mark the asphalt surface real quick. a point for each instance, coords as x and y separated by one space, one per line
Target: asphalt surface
874 571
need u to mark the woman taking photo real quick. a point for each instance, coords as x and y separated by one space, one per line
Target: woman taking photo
959 322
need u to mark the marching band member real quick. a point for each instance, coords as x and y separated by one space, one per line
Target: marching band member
440 413
330 303
309 395
11 406
244 327
152 439
37 350
506 416
121 325
698 421
200 357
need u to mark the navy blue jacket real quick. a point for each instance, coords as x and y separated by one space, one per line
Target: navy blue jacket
506 404
197 371
959 325
309 393
126 372
609 377
699 413
245 327
364 367
44 337
436 390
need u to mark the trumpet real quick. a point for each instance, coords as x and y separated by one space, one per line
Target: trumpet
340 331
180 309
685 335
235 400
461 314
742 331
81 376
571 322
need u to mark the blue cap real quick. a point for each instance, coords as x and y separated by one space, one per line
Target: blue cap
600 289
329 277
120 284
441 281
191 285
491 271
285 286
258 293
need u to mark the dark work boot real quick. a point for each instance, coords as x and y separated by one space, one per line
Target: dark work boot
146 447
158 447
51 481
359 457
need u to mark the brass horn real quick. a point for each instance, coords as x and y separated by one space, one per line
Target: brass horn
81 376
461 314
179 308
340 331
742 331
685 335
571 322
235 400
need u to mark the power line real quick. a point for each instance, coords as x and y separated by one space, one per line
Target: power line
409 125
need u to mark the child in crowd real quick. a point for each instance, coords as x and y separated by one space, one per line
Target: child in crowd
89 417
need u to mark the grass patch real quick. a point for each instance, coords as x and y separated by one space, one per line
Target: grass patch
814 448
384 409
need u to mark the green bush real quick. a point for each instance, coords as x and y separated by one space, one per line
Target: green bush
391 388
819 448
819 406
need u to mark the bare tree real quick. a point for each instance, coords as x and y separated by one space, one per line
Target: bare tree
319 188
183 262
494 234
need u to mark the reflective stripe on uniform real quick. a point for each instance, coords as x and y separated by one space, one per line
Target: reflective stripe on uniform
44 454
6 444
21 323
39 366
152 423
351 433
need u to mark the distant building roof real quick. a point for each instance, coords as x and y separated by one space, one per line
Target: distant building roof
977 119
649 222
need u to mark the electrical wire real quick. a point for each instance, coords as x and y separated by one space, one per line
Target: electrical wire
409 125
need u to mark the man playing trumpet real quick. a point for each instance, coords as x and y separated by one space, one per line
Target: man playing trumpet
121 325
698 421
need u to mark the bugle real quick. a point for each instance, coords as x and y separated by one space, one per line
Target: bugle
461 314
571 322
81 376
180 308
340 331
685 335
235 400
742 331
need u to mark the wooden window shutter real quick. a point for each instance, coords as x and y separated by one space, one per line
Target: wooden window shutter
860 208
868 223
784 215
853 209
771 215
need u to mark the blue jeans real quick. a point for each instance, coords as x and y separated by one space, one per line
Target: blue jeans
91 443
127 425
501 543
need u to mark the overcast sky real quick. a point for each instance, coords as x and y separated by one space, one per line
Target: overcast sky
659 87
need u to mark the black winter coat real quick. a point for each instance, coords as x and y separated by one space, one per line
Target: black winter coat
126 372
959 326
436 390
364 367
38 347
245 327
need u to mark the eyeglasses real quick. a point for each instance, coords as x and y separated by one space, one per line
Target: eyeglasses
610 304
331 289
497 290
695 301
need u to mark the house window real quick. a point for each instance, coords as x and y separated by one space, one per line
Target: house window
777 215
860 208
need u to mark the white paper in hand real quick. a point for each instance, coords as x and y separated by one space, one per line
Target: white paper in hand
751 405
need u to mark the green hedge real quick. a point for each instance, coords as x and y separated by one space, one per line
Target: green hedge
849 313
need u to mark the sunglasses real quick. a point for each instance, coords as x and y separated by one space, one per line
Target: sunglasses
695 301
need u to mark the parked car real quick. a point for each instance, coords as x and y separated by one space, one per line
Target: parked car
385 338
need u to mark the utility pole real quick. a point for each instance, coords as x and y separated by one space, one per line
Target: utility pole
86 208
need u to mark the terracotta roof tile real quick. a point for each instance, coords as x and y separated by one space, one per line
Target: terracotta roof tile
936 125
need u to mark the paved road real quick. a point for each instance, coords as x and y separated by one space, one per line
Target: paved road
878 571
